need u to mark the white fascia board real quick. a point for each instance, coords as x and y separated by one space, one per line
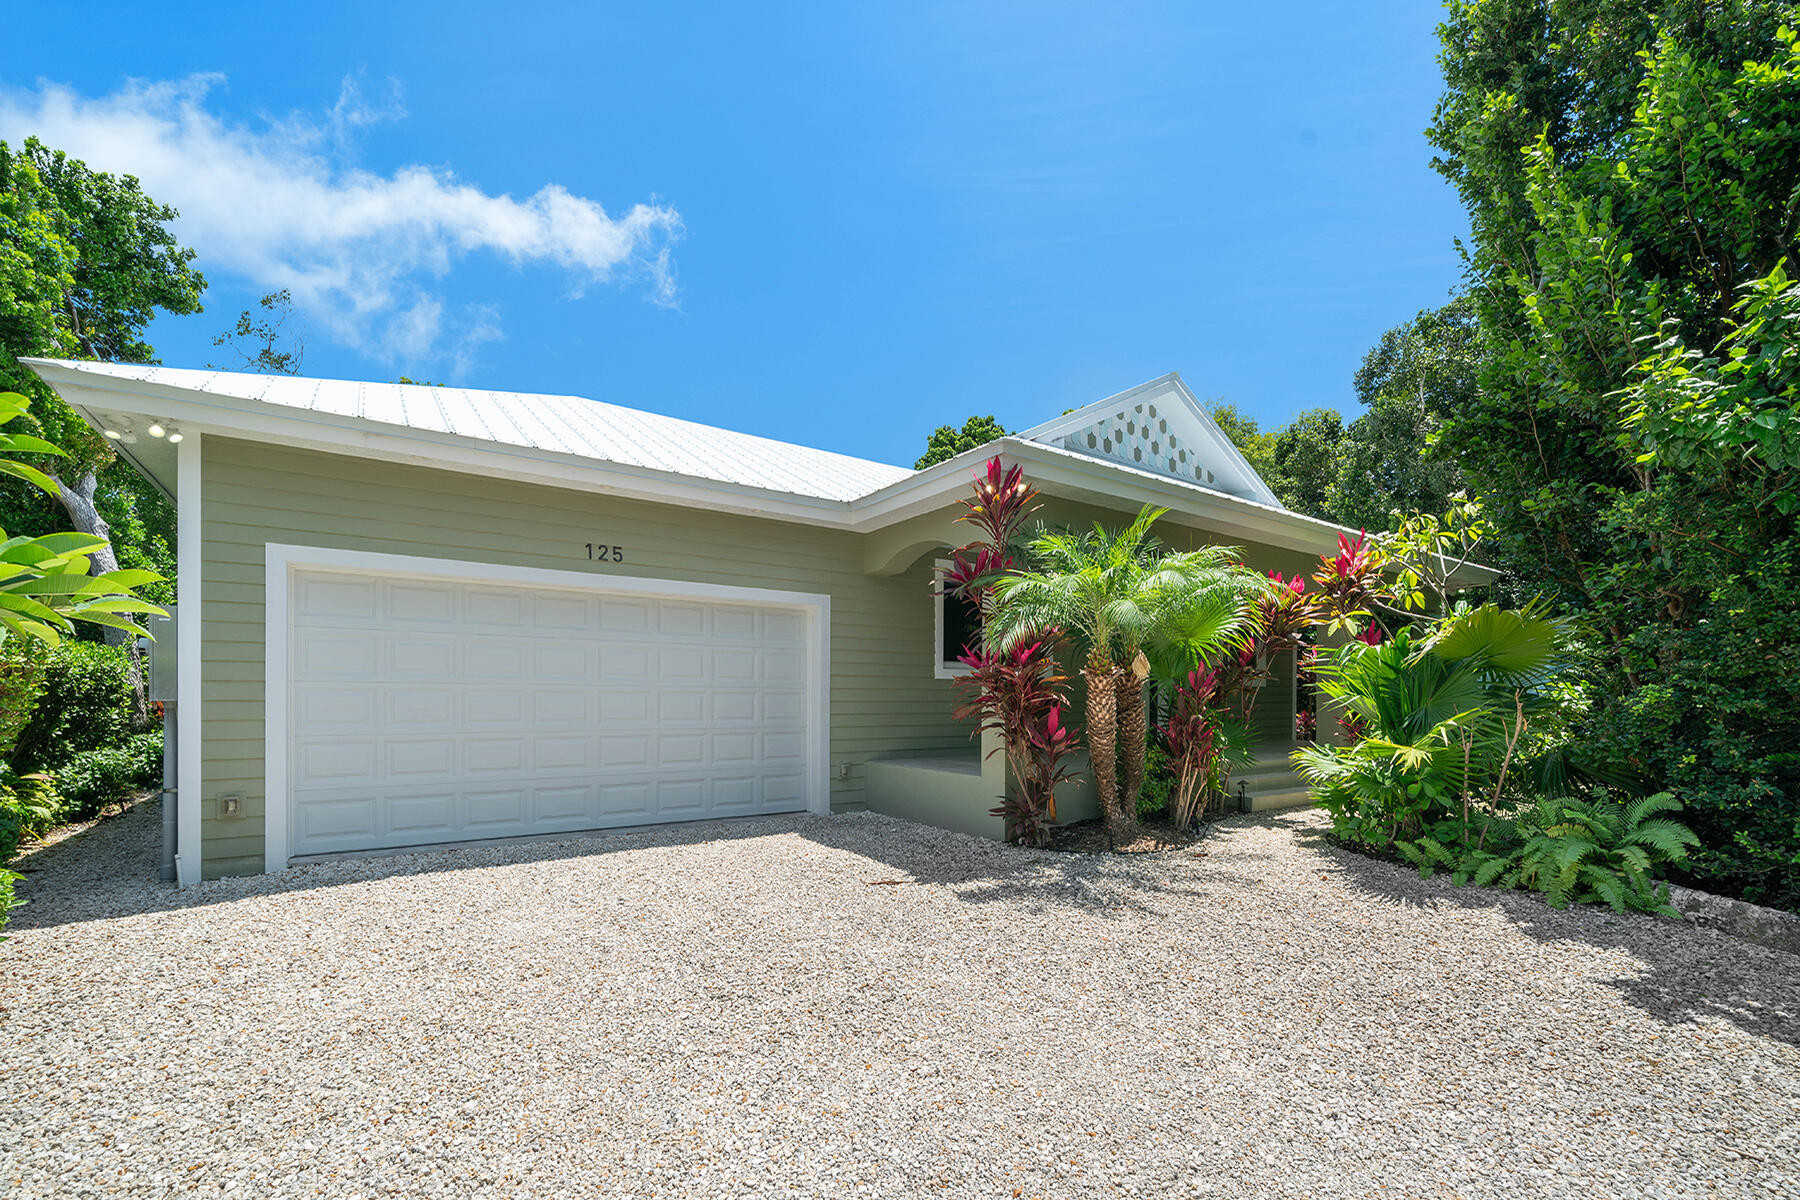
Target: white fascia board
332 433
1071 475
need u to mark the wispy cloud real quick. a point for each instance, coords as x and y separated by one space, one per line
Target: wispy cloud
282 204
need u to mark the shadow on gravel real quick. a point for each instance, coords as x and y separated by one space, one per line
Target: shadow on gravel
989 872
1688 973
111 869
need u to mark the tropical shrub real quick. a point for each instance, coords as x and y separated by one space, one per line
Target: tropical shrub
1583 853
1017 692
1116 591
1441 719
1630 173
8 901
85 704
1159 778
1192 734
92 780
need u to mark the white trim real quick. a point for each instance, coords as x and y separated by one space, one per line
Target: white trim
919 492
191 702
939 668
282 560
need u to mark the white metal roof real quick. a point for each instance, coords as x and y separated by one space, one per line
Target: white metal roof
558 424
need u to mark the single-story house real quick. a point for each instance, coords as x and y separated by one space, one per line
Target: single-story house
415 615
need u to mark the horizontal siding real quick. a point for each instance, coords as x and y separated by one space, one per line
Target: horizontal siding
884 698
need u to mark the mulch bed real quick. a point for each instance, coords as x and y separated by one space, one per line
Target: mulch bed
1090 837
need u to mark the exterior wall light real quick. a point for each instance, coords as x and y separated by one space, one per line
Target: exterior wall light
155 430
111 433
174 436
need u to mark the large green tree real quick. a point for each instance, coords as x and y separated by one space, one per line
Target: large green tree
1304 461
947 441
1632 174
1414 378
86 261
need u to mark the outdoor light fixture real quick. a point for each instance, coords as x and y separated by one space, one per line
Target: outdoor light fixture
155 430
111 433
174 436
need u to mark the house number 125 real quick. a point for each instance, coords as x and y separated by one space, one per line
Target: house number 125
599 553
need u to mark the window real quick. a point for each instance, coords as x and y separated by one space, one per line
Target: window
958 625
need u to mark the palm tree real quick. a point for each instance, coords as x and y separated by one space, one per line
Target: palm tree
1115 592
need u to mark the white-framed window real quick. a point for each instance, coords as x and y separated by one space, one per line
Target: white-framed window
957 623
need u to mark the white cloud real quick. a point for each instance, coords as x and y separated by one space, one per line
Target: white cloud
363 253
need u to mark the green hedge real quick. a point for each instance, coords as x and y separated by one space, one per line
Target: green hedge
85 705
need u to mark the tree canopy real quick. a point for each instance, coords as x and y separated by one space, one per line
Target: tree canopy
947 441
86 261
1632 174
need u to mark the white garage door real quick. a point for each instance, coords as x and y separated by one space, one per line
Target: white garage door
427 710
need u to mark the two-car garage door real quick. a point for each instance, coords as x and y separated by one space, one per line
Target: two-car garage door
427 710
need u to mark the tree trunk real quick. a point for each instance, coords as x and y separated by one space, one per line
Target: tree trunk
1133 738
78 501
1102 700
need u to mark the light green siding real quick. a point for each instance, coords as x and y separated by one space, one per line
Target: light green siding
884 698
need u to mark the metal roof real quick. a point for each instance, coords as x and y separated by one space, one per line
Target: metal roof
570 425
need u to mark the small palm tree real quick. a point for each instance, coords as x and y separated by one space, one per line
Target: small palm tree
1116 593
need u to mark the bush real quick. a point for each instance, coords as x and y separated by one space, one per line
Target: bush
91 781
29 808
21 687
1159 780
86 704
7 901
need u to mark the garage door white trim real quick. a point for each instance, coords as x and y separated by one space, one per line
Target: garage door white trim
284 561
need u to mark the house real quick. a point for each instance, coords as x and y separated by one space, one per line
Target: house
418 615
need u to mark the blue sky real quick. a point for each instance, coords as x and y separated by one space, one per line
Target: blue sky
837 224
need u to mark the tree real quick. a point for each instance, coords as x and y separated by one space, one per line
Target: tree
1113 590
947 441
1631 173
262 343
86 261
1304 462
1410 383
1257 447
45 584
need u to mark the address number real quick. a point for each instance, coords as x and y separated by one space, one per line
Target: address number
599 553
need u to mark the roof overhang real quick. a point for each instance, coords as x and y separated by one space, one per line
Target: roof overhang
1057 471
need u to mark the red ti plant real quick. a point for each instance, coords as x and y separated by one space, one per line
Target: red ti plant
1192 734
1351 585
1019 695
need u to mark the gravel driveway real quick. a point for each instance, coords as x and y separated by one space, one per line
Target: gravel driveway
755 1010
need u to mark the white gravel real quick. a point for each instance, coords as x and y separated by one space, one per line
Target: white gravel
746 1011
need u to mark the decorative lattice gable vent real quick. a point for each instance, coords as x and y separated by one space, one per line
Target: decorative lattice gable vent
1139 436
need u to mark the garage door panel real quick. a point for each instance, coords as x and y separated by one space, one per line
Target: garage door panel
406 603
490 706
419 657
677 707
420 710
562 707
428 711
412 760
680 619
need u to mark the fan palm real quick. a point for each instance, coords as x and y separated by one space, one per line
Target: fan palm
1116 592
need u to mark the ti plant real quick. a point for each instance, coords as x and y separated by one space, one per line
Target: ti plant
1116 592
1018 694
45 586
